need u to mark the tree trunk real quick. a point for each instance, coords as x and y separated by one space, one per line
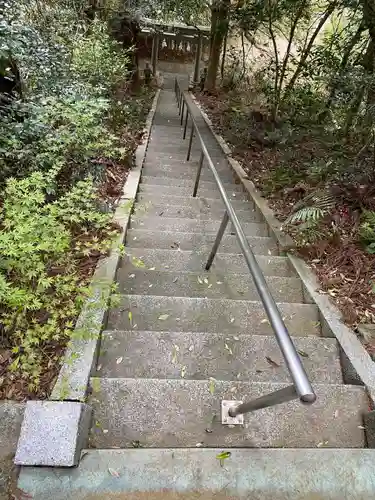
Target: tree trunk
344 62
219 26
307 51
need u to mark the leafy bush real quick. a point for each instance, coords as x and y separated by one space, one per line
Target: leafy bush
41 245
98 59
367 231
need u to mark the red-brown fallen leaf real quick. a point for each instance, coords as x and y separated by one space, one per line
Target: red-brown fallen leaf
272 362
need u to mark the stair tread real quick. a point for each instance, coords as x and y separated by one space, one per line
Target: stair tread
181 224
147 238
188 191
215 315
162 354
176 413
215 284
187 260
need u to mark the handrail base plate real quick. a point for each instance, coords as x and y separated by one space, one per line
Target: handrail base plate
226 419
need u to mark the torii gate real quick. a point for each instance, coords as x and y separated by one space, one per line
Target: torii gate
196 37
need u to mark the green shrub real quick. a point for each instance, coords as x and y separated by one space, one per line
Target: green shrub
41 244
367 231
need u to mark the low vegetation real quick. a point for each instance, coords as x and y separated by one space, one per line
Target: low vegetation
71 120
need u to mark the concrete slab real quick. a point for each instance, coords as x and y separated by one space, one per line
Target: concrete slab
188 192
199 201
204 355
178 224
53 433
176 182
212 285
176 413
171 240
162 474
185 261
230 317
196 474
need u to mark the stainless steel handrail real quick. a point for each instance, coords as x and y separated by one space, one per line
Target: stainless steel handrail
301 387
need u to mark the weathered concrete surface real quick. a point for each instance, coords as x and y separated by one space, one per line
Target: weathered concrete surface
179 224
169 240
185 261
224 316
11 415
213 285
207 213
204 355
196 474
176 413
189 184
53 433
199 201
187 191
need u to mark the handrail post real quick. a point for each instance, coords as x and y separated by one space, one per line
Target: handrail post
180 102
275 398
186 122
198 175
219 236
190 142
182 112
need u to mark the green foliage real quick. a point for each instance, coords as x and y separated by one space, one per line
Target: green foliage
40 285
367 231
98 59
281 177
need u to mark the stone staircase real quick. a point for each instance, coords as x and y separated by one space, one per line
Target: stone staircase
182 339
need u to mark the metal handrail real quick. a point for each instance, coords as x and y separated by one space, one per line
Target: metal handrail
301 387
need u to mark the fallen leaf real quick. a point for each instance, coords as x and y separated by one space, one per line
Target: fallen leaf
198 445
191 348
302 353
151 269
212 385
264 321
105 431
183 371
210 285
235 338
361 427
99 368
130 316
206 281
113 472
232 320
163 317
131 275
175 280
272 362
209 431
228 349
223 455
118 361
219 282
200 280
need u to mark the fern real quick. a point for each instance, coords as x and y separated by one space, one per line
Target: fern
312 207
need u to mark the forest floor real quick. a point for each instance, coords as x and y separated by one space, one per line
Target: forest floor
287 163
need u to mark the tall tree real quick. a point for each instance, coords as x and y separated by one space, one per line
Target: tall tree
219 27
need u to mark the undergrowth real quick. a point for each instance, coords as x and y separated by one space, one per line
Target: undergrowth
66 143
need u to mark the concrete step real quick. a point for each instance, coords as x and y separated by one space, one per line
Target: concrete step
198 202
205 355
213 285
232 317
196 474
185 170
192 212
188 191
184 183
176 413
187 261
192 225
191 241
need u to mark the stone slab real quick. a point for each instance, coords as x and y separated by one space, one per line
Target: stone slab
199 201
195 261
179 224
188 191
230 317
196 474
204 355
53 433
201 213
215 284
176 413
143 238
189 184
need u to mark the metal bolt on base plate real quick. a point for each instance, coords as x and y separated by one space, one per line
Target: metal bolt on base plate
226 419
